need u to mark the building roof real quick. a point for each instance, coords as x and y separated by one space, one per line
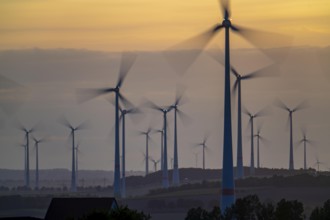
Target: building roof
64 208
20 218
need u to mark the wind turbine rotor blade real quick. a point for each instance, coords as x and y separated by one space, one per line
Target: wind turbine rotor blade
125 101
152 105
127 61
181 56
83 125
301 106
84 95
218 55
271 70
303 131
113 102
266 141
63 121
234 92
206 137
180 90
262 112
281 105
263 39
186 119
225 8
245 111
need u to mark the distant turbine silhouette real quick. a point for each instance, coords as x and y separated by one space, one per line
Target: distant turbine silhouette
301 106
27 161
73 129
259 138
252 117
204 147
164 110
146 133
127 62
178 102
155 163
305 141
36 144
318 162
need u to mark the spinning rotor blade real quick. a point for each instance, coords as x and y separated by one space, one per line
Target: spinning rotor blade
301 106
263 39
127 61
281 105
262 112
181 56
84 95
180 90
63 121
184 117
83 125
152 105
225 8
125 101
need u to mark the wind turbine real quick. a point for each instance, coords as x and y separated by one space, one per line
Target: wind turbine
259 138
155 163
146 133
127 62
301 106
204 147
178 102
163 110
181 61
73 130
36 144
318 162
251 121
306 141
27 161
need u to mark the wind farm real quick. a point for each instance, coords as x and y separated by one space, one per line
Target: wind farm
130 62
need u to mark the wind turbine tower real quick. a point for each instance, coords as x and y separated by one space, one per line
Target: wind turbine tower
146 133
36 144
177 112
124 112
27 161
291 111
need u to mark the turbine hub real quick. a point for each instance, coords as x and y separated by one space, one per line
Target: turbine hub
226 23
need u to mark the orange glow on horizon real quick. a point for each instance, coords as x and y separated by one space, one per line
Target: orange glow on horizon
150 25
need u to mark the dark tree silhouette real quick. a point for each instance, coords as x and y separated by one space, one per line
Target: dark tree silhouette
122 212
322 213
289 210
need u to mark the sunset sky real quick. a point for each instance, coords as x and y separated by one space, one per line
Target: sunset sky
53 47
150 24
